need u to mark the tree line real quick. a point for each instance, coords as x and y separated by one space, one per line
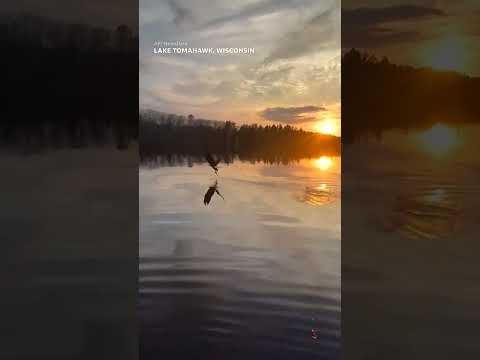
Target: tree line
270 143
67 84
378 96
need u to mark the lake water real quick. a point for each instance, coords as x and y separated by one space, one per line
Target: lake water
255 273
410 245
69 261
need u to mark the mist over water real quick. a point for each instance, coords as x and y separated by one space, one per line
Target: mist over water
252 274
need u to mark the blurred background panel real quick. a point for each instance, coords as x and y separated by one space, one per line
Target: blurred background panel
410 179
68 150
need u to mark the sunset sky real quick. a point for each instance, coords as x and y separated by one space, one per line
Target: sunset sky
442 34
293 78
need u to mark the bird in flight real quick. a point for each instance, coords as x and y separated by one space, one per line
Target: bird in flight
212 162
210 192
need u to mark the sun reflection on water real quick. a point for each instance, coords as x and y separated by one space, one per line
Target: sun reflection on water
439 140
323 163
428 213
322 187
317 195
436 196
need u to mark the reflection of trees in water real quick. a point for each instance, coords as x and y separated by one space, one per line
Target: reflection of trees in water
181 160
73 133
191 160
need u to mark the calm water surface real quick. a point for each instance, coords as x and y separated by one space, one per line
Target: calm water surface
253 274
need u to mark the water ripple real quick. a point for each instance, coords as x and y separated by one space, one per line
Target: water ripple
200 302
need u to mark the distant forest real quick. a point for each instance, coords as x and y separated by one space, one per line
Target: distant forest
67 85
271 143
378 96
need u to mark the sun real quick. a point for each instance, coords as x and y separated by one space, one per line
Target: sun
327 127
450 53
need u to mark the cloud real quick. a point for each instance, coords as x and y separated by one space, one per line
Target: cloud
271 76
256 9
181 15
235 87
366 27
374 38
291 115
367 17
219 89
322 32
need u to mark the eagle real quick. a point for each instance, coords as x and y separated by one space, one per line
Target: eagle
212 162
